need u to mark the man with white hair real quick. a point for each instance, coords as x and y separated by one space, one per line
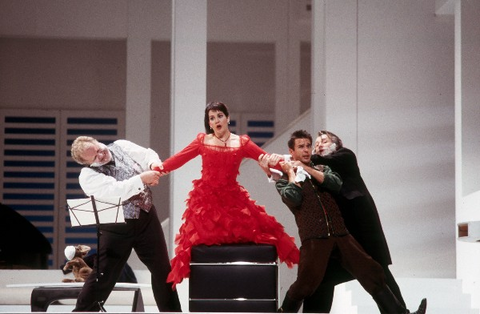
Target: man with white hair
123 169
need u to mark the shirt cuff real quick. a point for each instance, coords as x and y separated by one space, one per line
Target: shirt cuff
138 184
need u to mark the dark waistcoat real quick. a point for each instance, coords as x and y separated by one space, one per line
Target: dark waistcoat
318 216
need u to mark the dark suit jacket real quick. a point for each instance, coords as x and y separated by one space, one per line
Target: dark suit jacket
357 205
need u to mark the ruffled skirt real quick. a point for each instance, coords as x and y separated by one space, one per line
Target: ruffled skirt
216 216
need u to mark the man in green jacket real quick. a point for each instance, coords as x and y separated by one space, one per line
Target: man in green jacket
307 192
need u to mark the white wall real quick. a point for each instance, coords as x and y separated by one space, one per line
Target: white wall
389 94
467 114
389 87
389 69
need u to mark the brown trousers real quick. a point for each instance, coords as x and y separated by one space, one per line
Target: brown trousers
314 257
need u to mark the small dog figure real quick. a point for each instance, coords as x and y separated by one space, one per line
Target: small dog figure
76 264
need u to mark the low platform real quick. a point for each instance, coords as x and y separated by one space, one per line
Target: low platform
44 294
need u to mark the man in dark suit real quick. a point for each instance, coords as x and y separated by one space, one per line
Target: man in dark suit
360 215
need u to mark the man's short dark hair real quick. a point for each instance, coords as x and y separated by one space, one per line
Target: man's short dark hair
296 135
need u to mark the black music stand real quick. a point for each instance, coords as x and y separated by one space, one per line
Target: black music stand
88 211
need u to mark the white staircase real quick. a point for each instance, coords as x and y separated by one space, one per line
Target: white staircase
444 296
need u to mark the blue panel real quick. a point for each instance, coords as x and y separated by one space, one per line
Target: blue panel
45 229
73 186
71 196
32 207
18 174
29 131
17 141
26 185
25 152
263 124
39 218
91 132
92 121
261 134
29 163
27 196
72 175
73 164
43 120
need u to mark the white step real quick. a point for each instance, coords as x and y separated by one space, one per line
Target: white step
444 296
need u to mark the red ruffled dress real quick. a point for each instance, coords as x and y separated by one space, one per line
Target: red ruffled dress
219 210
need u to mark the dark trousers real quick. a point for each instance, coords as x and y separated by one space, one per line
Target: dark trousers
145 235
315 255
322 299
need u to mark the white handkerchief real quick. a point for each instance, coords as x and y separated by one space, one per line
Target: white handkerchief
301 175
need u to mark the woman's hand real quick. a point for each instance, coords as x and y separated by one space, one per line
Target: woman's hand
157 166
263 161
287 166
274 159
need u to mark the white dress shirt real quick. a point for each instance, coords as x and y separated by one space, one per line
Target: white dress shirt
102 186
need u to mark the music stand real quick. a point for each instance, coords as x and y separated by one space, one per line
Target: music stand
88 211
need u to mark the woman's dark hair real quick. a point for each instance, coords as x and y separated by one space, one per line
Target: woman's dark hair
216 106
335 139
296 135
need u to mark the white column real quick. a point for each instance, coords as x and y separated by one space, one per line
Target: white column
469 82
458 105
341 71
188 98
138 100
283 112
287 68
318 66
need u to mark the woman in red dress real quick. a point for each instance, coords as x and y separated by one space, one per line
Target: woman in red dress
219 210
